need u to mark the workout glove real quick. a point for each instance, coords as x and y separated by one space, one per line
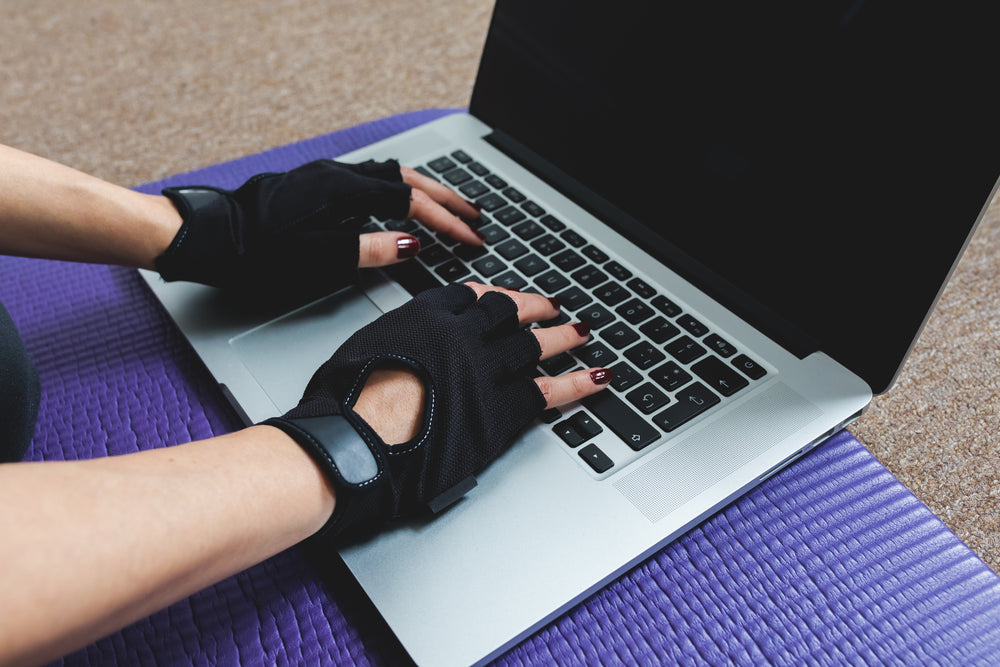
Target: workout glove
285 234
477 366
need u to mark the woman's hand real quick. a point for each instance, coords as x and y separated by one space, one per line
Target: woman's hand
414 405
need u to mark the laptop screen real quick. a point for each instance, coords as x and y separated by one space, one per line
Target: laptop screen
818 167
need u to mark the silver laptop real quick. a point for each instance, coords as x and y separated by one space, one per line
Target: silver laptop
756 209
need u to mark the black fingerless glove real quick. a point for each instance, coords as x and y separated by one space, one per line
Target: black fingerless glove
293 232
477 366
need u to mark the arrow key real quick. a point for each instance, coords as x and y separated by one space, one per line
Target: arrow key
691 402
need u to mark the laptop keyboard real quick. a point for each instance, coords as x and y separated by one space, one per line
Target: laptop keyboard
669 367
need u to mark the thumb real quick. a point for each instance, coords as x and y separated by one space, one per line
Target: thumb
384 248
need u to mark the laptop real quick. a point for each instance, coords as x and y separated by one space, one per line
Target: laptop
756 208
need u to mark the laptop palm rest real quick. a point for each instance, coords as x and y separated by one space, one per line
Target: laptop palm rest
283 354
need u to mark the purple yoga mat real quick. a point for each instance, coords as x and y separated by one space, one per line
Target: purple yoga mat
831 561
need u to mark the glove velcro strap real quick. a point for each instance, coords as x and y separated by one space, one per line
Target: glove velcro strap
357 472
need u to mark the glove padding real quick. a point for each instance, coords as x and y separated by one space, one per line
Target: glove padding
478 368
292 234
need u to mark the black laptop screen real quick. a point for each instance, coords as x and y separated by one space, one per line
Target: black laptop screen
818 166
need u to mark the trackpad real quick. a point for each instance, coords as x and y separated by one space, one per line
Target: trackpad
284 353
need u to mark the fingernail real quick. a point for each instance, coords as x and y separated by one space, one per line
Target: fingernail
601 376
555 302
407 246
582 329
474 205
479 234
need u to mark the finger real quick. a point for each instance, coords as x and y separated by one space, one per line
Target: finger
438 218
562 389
530 307
556 340
440 193
384 248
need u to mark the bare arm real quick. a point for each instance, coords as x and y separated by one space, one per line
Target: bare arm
53 211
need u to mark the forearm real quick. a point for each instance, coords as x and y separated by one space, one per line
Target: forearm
91 546
53 211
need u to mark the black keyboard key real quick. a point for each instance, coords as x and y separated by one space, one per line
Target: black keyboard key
442 164
753 370
509 215
596 459
452 271
470 253
567 260
623 421
589 276
634 311
511 249
596 315
573 298
670 376
595 354
514 195
473 189
611 293
618 271
494 233
568 433
413 276
404 225
533 209
641 288
528 230
719 376
510 280
461 156
647 398
618 335
644 355
553 223
595 254
491 202
557 364
572 238
561 318
552 281
693 326
659 330
547 244
684 349
531 264
691 402
550 416
624 377
720 345
457 176
489 266
586 425
496 182
427 172
666 306
478 169
434 255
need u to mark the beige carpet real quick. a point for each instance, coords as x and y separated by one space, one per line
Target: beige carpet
133 91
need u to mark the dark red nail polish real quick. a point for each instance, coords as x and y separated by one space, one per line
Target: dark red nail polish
479 234
582 329
474 205
555 302
601 376
407 246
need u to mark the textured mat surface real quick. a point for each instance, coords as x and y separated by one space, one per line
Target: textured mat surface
831 561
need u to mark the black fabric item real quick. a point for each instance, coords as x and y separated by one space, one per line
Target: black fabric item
478 368
291 234
19 393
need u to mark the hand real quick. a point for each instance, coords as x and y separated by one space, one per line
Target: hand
296 234
473 367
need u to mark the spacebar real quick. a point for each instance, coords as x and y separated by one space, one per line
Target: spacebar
412 276
621 419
